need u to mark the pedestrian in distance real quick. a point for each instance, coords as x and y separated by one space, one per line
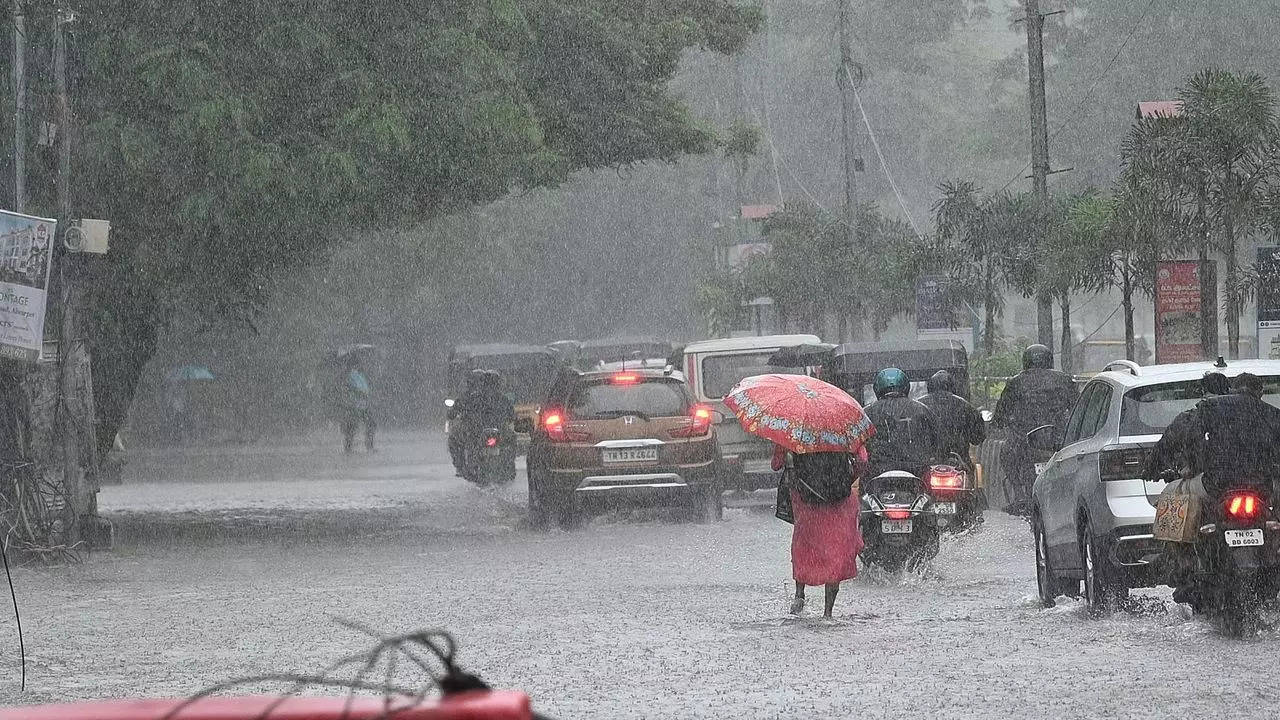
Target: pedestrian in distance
355 404
819 496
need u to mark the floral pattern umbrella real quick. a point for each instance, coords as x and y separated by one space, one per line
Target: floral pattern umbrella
800 413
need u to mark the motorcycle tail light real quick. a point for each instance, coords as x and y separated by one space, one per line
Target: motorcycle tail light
945 477
1243 506
491 442
897 514
553 423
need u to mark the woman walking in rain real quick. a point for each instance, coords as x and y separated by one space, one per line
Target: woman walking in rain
819 433
822 489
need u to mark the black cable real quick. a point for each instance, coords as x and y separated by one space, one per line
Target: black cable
22 646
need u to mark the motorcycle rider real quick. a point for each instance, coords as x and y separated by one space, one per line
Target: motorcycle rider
458 421
1035 397
960 425
907 435
1226 440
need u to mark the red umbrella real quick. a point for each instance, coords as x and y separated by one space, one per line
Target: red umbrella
800 413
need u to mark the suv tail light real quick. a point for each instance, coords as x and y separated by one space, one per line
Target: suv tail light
1244 506
697 424
624 378
1122 463
945 477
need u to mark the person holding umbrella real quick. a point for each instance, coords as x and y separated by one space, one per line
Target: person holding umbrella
819 433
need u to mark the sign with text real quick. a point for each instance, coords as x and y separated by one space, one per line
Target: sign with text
26 256
934 314
1269 302
1179 312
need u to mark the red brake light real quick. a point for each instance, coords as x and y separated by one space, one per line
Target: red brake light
1244 506
946 478
491 442
553 423
897 514
625 379
697 425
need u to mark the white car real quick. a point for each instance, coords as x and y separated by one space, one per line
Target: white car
1093 513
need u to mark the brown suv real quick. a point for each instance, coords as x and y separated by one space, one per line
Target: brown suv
626 437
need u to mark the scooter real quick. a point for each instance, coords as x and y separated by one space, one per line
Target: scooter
1237 553
490 458
957 500
899 524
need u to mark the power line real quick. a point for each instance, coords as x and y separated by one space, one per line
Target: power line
880 154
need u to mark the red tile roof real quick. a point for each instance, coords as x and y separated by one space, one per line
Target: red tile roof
1159 108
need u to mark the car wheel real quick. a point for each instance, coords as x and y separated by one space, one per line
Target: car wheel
1048 584
1102 590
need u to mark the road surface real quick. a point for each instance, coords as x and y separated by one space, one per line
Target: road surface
235 562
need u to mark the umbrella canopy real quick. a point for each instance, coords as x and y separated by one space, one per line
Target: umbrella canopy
800 413
190 373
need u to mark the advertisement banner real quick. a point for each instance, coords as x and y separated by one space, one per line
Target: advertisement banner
933 313
1269 302
26 255
1179 312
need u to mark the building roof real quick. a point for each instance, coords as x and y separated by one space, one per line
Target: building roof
1159 108
757 212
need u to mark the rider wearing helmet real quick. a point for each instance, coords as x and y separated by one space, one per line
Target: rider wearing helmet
959 424
1037 396
460 423
906 431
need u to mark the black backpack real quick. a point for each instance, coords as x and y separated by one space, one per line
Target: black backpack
821 478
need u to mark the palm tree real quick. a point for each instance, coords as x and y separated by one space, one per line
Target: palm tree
1231 137
971 239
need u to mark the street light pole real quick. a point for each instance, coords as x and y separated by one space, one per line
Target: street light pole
1034 21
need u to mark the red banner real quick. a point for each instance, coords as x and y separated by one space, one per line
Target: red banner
1179 312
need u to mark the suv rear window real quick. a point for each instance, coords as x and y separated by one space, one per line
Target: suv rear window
1149 410
649 398
721 372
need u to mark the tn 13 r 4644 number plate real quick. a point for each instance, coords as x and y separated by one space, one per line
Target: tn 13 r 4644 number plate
1243 538
631 455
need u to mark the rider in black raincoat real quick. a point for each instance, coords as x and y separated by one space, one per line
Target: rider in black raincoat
1037 396
906 431
960 425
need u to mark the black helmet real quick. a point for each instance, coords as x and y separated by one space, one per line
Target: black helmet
941 382
1215 383
890 382
1037 356
475 378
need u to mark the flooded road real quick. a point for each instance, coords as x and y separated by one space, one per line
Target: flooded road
235 563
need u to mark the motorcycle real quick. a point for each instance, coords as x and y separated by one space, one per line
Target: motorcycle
489 458
957 501
1237 558
899 523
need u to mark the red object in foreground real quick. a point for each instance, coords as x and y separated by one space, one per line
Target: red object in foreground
465 706
800 413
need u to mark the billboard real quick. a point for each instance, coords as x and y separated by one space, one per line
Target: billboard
1269 302
1179 312
26 256
934 313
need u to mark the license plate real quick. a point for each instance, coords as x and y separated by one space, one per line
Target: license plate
492 452
1040 467
631 455
944 508
1243 538
895 527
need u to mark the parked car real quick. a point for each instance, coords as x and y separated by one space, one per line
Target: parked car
613 438
713 367
1092 512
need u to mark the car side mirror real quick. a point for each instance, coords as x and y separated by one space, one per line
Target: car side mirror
1044 438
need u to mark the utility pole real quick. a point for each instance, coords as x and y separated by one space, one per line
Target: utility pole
76 486
19 108
1039 150
849 73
